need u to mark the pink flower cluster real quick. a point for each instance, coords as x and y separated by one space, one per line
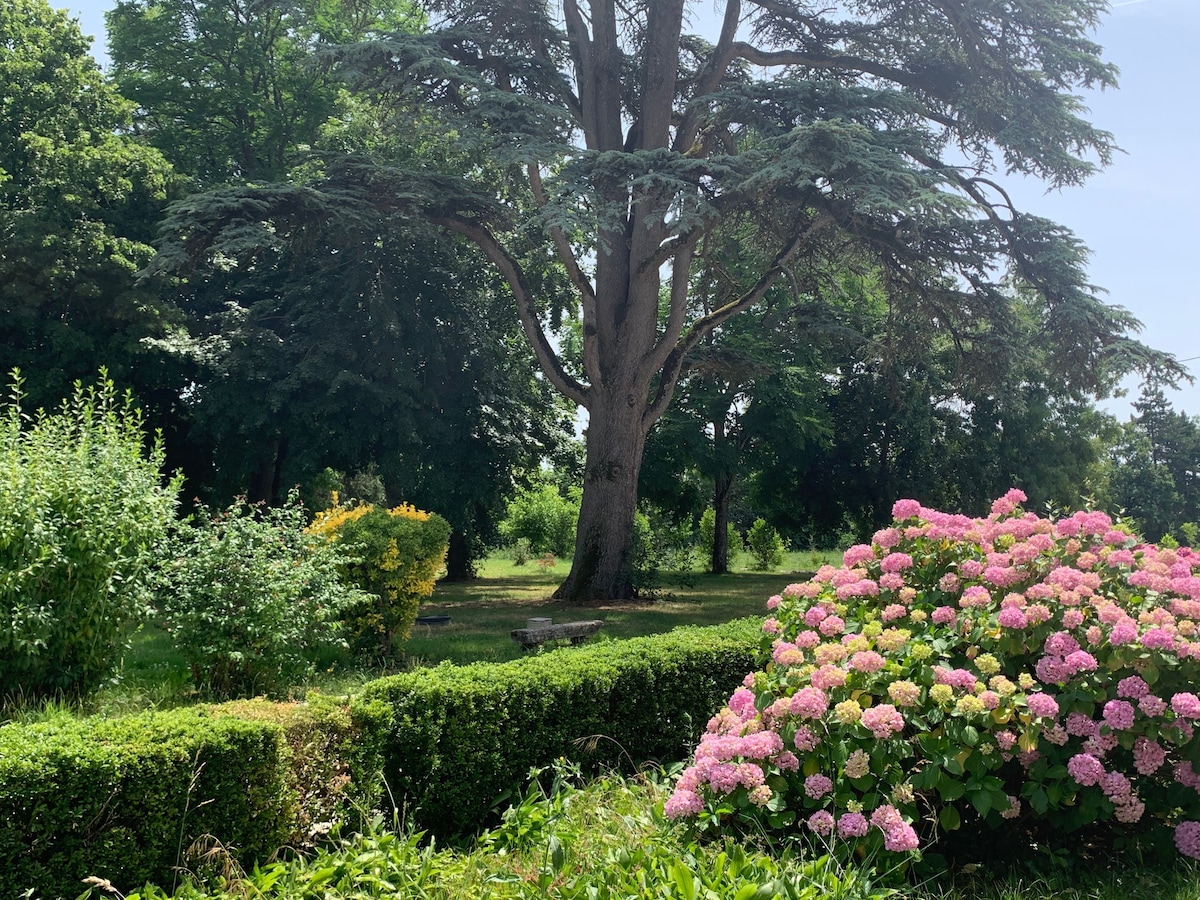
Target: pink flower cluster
1047 638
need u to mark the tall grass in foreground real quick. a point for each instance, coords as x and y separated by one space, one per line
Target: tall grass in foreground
609 840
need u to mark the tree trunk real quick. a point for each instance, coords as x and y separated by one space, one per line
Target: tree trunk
720 548
604 554
459 565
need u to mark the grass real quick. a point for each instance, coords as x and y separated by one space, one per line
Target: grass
609 839
483 611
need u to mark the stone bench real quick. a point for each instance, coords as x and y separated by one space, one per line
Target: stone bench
575 632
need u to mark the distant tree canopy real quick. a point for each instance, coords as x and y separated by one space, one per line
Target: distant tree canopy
227 91
78 202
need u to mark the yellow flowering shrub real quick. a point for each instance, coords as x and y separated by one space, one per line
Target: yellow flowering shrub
398 553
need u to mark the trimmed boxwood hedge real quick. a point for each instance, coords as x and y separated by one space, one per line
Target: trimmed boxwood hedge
465 736
124 799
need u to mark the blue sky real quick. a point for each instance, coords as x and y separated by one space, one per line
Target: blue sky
1141 216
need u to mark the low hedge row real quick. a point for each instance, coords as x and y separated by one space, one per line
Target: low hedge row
125 799
464 736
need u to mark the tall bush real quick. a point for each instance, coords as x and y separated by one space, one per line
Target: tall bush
1015 678
545 518
398 555
248 595
82 505
766 546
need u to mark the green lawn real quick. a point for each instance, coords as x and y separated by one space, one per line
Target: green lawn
482 614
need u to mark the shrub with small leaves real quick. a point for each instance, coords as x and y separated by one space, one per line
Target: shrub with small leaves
766 546
249 595
398 554
82 504
1012 675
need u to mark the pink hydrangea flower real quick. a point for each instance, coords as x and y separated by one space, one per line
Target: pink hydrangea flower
1187 839
867 661
806 740
896 562
821 822
859 553
974 597
905 509
1152 706
1148 756
944 615
817 786
831 625
1118 714
683 803
1085 769
883 720
1042 705
852 825
1186 705
809 703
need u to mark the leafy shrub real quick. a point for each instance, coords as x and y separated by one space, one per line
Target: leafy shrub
521 551
248 595
82 504
398 554
766 546
708 536
545 518
464 736
1010 675
662 548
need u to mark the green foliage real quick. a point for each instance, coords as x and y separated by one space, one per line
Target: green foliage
79 198
82 505
766 546
125 799
707 531
463 737
398 555
603 841
545 517
225 90
248 596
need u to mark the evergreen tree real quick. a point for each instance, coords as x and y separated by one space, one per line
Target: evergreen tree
618 139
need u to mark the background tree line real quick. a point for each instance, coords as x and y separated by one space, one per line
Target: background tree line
303 310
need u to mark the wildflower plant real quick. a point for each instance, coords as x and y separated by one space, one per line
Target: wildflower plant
1011 673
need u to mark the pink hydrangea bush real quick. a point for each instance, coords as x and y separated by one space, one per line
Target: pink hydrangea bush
1010 672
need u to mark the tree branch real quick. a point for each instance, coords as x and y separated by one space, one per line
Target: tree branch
704 325
547 358
711 75
587 293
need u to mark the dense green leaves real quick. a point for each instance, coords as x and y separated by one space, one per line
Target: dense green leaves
83 504
78 198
